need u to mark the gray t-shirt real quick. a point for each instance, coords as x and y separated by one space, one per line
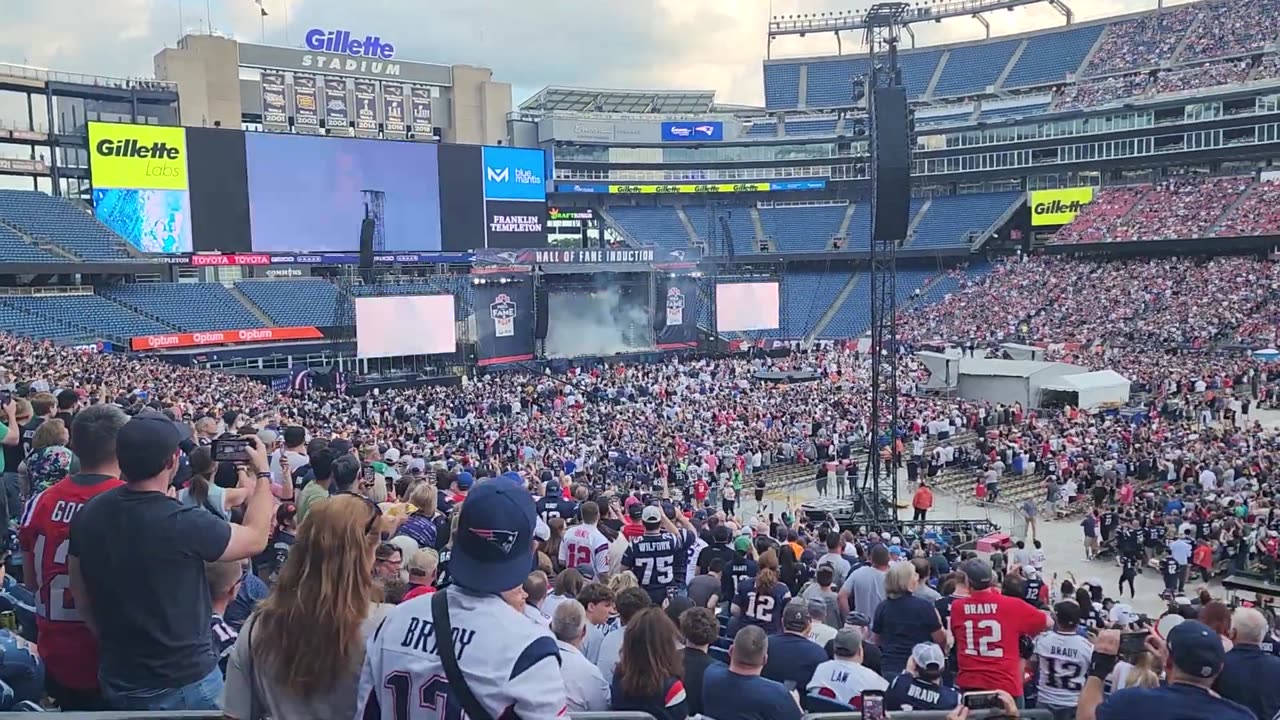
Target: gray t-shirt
866 586
839 566
702 587
928 593
813 591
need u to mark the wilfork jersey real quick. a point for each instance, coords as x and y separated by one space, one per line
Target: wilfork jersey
585 545
655 560
511 665
1064 662
68 649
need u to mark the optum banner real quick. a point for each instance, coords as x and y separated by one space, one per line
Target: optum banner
1058 207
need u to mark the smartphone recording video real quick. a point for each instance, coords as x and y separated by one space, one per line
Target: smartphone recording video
231 450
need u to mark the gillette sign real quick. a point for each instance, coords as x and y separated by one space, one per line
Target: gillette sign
692 131
515 174
341 42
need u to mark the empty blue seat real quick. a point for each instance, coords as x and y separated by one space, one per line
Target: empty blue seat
1049 58
781 86
59 221
802 229
660 226
972 68
292 303
952 217
187 306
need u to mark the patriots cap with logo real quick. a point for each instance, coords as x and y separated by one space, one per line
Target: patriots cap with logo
493 550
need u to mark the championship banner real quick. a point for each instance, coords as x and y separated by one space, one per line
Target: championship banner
306 117
224 337
366 113
420 104
393 111
678 312
336 114
504 323
275 112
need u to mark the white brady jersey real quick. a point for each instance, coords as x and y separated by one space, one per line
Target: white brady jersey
585 545
691 567
845 681
510 664
1064 664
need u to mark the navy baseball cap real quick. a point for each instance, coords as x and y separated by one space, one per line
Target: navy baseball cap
1196 650
145 444
493 550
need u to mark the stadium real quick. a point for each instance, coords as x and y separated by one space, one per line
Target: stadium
706 358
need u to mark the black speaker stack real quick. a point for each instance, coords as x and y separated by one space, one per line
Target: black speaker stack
890 123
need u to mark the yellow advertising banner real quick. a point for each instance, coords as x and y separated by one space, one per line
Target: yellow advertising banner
1058 207
142 157
688 189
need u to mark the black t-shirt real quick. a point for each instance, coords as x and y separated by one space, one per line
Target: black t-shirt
142 555
29 434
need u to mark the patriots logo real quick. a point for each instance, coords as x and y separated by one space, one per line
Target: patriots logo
677 254
507 257
504 539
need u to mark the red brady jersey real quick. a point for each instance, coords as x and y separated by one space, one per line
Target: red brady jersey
68 649
986 626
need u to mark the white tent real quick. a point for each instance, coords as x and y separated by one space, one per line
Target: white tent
1102 388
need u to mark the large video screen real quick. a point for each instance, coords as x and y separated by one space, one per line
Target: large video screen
140 184
742 307
405 325
313 193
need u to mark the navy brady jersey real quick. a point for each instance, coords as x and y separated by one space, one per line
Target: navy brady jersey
556 507
910 693
764 610
511 665
656 560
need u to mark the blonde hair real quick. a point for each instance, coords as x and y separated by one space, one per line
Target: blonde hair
50 433
377 488
897 582
423 496
1143 673
621 581
327 582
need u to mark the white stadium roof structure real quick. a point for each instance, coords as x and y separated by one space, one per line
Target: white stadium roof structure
564 99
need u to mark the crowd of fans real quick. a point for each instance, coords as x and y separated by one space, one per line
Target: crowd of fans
600 539
1092 93
1149 40
1257 213
1175 208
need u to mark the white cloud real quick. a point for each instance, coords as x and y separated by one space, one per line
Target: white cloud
650 44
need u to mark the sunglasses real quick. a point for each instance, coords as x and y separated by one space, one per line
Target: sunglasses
377 511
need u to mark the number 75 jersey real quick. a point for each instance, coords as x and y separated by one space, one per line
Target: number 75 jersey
511 664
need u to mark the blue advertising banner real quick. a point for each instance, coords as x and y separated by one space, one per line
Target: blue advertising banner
692 131
504 323
514 174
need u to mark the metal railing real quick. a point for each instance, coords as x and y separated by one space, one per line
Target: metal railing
40 74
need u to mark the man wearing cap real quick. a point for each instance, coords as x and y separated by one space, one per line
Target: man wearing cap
134 541
844 678
921 686
510 665
987 627
553 504
655 556
792 655
1192 657
1061 659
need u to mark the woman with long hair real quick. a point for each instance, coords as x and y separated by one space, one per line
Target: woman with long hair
282 665
647 677
202 491
423 525
759 601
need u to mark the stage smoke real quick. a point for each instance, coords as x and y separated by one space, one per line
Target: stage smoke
599 321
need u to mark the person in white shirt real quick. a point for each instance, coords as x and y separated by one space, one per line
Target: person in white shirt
585 545
819 631
1062 660
845 678
584 686
510 665
1208 480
